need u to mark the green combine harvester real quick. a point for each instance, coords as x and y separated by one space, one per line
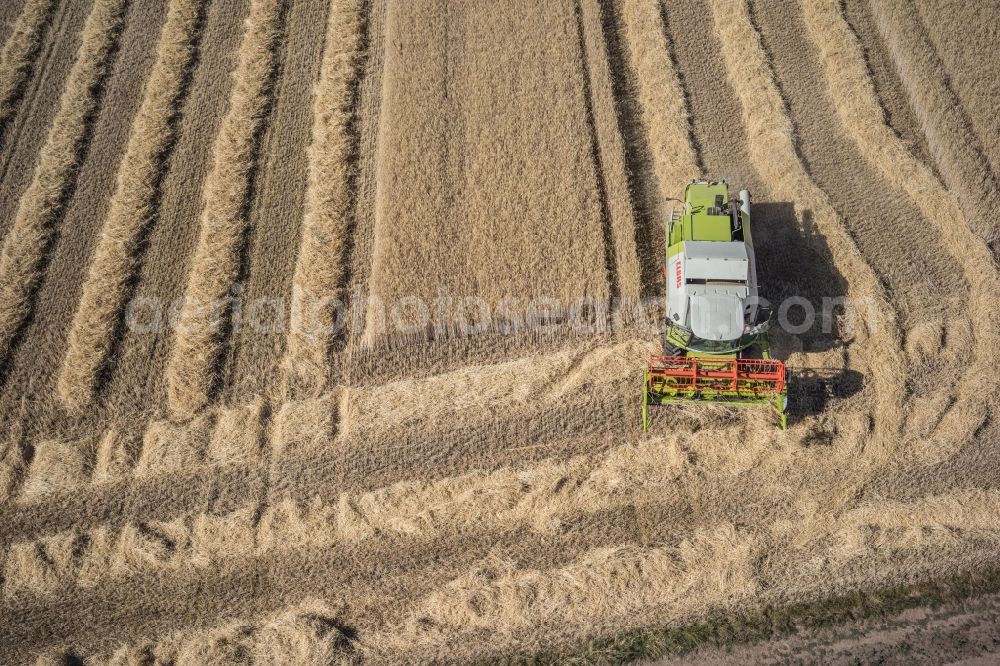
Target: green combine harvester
716 346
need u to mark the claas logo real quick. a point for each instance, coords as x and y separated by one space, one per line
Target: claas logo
677 272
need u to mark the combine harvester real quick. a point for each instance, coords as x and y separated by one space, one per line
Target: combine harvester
716 346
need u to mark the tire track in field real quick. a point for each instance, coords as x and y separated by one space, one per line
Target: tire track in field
585 515
12 143
9 12
22 263
866 200
136 391
545 495
958 34
360 462
12 465
132 499
609 138
19 54
664 152
317 463
720 567
34 369
661 99
81 482
889 89
371 89
100 311
869 200
481 417
772 150
204 325
329 218
950 135
423 358
606 590
638 168
600 178
253 363
123 474
719 142
854 97
372 579
548 497
227 437
489 595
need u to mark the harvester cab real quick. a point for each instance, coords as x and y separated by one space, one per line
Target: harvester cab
715 344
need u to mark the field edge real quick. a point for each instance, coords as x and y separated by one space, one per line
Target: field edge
769 623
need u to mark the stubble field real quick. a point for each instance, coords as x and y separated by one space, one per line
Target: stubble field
322 322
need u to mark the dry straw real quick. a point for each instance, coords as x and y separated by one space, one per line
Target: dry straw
41 567
19 51
305 634
710 567
611 149
231 436
856 103
171 448
474 144
58 466
604 586
238 437
955 148
319 269
972 78
771 145
12 466
501 604
661 98
132 207
112 458
25 245
508 498
216 264
527 496
716 567
478 391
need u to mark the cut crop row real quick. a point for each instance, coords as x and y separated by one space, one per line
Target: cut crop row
112 269
192 369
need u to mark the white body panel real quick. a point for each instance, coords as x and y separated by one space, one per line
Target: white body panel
712 289
712 260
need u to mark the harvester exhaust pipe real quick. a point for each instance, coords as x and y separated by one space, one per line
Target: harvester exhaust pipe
745 203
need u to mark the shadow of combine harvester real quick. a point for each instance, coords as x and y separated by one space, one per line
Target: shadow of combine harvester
812 390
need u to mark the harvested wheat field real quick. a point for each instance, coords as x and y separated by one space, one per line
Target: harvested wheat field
323 324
